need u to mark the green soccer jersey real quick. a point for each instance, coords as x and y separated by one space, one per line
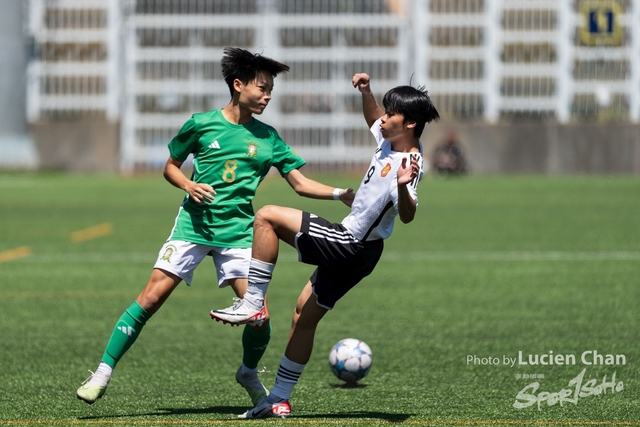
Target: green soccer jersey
233 159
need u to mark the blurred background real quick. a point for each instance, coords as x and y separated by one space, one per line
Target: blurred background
523 86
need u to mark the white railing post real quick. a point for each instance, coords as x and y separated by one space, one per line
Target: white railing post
634 93
128 137
564 46
420 19
33 68
493 29
113 73
406 66
268 43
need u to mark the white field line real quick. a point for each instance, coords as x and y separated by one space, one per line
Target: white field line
510 256
388 256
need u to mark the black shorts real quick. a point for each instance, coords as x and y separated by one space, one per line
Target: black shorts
342 260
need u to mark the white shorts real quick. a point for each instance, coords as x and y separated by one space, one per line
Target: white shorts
181 258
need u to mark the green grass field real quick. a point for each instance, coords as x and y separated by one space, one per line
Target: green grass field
492 266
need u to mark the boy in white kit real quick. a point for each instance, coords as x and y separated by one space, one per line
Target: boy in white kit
345 253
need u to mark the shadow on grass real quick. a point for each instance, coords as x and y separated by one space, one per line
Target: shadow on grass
348 385
391 418
235 410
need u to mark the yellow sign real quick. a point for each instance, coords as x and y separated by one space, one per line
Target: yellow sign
601 26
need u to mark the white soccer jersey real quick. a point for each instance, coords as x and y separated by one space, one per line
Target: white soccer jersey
376 203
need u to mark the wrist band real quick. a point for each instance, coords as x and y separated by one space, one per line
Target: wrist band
336 193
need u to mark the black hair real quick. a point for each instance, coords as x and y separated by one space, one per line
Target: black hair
413 103
245 66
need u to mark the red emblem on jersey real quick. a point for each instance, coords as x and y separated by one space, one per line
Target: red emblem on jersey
385 170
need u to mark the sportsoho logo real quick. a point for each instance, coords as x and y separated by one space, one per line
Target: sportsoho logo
579 387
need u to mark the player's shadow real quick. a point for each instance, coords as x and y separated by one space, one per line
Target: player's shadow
232 410
235 410
385 416
348 385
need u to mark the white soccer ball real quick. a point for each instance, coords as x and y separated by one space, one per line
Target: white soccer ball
350 360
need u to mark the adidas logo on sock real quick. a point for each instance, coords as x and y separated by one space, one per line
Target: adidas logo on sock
215 144
126 330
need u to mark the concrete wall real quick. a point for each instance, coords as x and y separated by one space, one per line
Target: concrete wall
17 150
87 145
13 63
92 145
544 148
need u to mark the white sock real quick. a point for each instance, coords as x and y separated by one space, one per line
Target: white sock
260 273
286 379
102 376
247 371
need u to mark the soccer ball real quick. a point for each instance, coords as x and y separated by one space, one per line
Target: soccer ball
350 360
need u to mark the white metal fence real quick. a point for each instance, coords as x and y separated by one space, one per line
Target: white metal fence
151 63
74 65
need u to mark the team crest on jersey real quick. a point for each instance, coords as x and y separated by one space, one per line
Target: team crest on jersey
168 251
385 170
252 149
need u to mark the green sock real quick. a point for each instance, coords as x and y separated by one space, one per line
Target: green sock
254 344
125 333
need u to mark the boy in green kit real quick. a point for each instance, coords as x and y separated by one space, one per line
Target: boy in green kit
232 153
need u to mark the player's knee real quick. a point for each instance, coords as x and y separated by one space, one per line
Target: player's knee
265 215
150 301
158 289
305 319
295 319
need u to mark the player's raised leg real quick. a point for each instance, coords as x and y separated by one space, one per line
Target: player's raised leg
271 224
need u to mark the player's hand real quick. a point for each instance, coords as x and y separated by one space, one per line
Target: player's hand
361 81
200 193
407 172
347 196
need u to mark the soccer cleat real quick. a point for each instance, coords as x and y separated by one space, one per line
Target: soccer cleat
266 409
252 385
240 314
90 393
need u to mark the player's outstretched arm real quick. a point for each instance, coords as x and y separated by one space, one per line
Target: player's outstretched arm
200 193
370 107
315 190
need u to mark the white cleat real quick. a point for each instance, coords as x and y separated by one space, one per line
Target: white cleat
240 313
92 388
266 409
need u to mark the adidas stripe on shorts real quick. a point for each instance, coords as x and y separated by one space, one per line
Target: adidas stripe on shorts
342 260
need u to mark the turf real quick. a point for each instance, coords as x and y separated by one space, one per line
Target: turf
490 267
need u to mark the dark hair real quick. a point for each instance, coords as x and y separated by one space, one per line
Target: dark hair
245 66
413 103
